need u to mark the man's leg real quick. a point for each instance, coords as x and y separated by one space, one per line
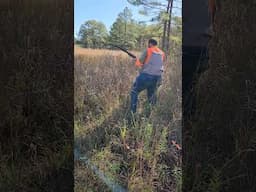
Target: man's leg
138 86
134 98
152 91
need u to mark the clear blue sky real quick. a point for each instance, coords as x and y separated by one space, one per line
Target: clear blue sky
105 11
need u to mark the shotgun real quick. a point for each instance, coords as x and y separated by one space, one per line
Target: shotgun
124 50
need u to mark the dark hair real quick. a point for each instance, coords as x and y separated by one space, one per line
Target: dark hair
152 41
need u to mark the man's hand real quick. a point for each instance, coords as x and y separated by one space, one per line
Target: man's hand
138 63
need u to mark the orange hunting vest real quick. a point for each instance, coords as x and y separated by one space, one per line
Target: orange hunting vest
153 63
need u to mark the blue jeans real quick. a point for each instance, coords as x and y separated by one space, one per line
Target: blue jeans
144 81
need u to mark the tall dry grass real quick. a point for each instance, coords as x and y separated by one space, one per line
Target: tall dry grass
103 79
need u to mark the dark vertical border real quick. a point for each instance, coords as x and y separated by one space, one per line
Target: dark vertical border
36 97
219 151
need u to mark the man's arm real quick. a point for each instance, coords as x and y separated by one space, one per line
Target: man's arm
143 56
139 62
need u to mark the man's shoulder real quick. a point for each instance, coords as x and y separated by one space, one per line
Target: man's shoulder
160 50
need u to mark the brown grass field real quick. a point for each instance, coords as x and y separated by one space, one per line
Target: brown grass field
151 162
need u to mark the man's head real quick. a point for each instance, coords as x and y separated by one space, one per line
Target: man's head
152 42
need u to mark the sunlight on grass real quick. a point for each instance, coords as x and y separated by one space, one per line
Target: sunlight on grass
135 155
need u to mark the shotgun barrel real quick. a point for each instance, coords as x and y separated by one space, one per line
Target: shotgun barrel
124 50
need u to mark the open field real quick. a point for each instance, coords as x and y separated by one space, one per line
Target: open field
137 157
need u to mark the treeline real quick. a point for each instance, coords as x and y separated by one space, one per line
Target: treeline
128 32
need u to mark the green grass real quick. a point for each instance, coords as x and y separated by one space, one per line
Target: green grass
133 155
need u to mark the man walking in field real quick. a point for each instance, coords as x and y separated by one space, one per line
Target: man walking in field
151 68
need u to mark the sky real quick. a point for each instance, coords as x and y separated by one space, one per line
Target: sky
105 11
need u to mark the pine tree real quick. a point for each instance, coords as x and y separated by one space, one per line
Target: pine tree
124 32
93 34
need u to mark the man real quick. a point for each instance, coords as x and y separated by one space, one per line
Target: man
151 68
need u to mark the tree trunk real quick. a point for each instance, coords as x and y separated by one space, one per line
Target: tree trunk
169 28
165 26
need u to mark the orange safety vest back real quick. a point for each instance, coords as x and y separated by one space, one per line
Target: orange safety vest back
153 63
